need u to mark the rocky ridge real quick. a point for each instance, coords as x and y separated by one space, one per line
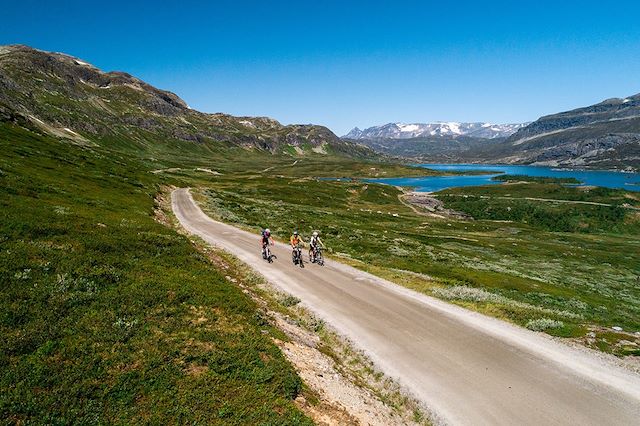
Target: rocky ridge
451 129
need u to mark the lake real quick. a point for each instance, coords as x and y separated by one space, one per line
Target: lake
609 179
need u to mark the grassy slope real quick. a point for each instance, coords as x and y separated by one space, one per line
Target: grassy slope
109 317
516 202
518 271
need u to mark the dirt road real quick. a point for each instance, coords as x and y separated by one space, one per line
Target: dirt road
470 369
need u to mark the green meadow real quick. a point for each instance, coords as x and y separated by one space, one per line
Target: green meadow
110 317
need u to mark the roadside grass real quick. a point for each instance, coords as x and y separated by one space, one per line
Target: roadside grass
349 361
109 317
521 272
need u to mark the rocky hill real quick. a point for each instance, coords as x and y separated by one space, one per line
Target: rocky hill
70 98
606 135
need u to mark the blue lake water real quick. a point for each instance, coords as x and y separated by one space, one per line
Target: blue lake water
628 181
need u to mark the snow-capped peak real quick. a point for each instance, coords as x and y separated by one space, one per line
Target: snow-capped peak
439 128
355 133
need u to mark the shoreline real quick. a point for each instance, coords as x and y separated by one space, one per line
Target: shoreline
627 170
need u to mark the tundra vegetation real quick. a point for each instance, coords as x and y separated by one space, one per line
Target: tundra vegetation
110 317
538 179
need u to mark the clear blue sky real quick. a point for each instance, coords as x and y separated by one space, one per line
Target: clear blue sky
359 63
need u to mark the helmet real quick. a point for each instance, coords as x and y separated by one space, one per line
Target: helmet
267 231
295 232
315 233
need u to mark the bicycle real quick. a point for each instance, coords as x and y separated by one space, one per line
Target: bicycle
266 254
296 256
317 258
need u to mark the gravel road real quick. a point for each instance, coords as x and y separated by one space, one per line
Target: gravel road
468 368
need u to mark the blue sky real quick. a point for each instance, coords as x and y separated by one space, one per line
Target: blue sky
359 63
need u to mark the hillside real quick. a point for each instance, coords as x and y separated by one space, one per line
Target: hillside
431 148
604 135
109 317
66 97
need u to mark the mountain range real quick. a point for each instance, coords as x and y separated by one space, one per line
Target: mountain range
439 128
605 135
67 97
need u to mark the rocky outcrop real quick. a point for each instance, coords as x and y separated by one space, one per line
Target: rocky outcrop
605 114
603 135
589 147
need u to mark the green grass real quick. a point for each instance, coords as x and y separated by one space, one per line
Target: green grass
109 317
529 274
533 204
553 190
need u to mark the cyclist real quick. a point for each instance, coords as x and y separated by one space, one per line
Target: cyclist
314 243
265 240
296 240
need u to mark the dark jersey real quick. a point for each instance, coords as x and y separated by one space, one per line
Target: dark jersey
265 238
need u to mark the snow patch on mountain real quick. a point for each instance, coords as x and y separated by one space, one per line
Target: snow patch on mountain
408 127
